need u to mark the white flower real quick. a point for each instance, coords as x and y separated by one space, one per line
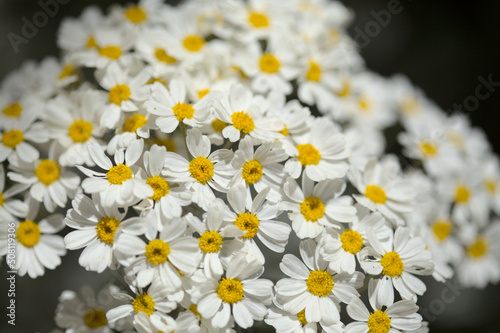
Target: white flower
10 207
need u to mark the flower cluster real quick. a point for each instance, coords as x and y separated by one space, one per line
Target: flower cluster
186 146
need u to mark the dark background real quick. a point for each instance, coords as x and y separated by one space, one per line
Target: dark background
442 46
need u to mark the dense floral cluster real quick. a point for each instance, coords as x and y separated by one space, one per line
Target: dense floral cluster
186 146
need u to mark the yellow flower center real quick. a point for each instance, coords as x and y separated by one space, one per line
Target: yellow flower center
428 148
119 174
346 89
12 138
230 290
28 233
157 251
144 303
91 43
2 199
392 265
409 105
210 242
379 322
80 131
47 172
193 43
157 79
119 94
243 122
160 187
284 131
248 222
320 283
252 172
135 14
364 104
183 111
441 229
301 316
134 122
462 194
106 229
269 64
95 318
258 20
352 241
312 208
13 110
478 248
201 169
202 93
314 72
67 71
308 154
167 143
218 125
162 55
375 194
111 52
491 186
194 309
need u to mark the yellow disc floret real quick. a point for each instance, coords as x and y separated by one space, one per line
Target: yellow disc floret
314 72
491 186
379 322
134 122
442 229
119 93
144 303
252 172
258 20
308 154
193 43
428 148
183 111
111 52
2 199
91 43
118 174
47 172
12 138
95 318
392 265
269 64
28 233
201 169
462 194
162 55
106 229
135 14
319 283
376 194
160 187
202 93
68 70
157 251
218 125
352 241
80 131
479 248
243 122
230 290
210 242
301 316
13 110
312 208
247 222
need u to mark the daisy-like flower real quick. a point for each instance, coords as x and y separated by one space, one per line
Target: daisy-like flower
240 295
10 207
480 265
48 181
161 259
126 93
167 198
86 312
256 217
205 170
315 207
37 247
261 168
383 189
131 127
79 34
118 186
244 117
285 322
171 107
321 153
397 317
73 120
138 16
96 230
312 287
152 47
397 261
145 310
